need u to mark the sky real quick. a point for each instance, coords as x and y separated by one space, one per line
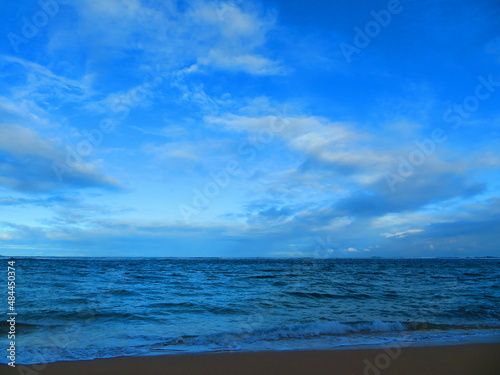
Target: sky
250 128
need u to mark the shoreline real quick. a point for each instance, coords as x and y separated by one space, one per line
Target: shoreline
466 359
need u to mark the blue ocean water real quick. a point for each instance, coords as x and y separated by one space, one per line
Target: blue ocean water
71 308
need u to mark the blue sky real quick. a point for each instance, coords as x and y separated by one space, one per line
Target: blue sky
250 128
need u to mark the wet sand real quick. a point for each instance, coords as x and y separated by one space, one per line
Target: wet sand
478 359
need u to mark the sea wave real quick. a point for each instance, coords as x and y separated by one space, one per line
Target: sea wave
307 331
317 295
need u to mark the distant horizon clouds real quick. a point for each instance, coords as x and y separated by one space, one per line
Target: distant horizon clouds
250 128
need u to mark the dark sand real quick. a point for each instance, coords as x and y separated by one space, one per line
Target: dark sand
480 359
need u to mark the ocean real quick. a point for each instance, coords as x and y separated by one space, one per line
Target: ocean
86 308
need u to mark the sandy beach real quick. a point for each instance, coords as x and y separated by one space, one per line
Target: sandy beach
483 359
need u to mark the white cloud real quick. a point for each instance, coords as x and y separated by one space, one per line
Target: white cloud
31 167
402 234
20 141
236 35
7 236
39 73
253 64
220 35
336 145
39 78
